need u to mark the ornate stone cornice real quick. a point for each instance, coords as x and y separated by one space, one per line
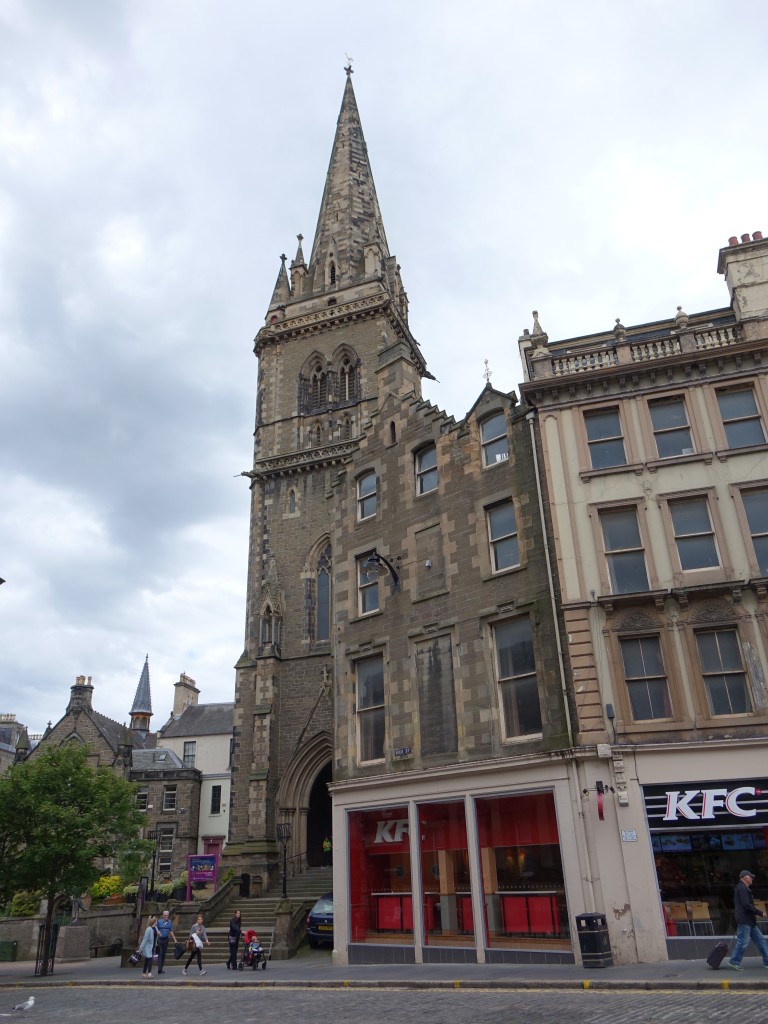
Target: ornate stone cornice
319 319
310 458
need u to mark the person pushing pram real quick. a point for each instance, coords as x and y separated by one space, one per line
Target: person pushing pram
253 952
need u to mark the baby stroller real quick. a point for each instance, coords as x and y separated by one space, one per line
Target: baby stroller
253 952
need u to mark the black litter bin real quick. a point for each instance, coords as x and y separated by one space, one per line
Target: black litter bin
8 951
593 940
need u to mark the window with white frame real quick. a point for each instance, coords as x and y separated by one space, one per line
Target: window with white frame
369 674
165 837
366 496
190 751
694 536
516 672
426 470
722 670
741 418
605 438
624 551
494 439
502 536
756 508
367 587
215 799
142 798
169 798
645 678
670 427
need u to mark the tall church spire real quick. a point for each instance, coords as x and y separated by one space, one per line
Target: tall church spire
350 217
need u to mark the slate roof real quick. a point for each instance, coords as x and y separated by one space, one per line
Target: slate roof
202 720
142 702
160 759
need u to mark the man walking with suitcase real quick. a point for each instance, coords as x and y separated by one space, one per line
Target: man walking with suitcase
746 914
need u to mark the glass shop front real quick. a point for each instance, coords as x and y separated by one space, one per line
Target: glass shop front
394 875
702 836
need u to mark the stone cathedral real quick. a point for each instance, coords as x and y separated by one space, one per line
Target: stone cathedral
333 323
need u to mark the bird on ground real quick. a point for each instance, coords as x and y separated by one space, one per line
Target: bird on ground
26 1005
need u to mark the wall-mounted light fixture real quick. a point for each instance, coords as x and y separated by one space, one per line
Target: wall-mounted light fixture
376 566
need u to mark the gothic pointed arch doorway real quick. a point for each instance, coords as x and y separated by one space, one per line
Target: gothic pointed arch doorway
304 801
318 817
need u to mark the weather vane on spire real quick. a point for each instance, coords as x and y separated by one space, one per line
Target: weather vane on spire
488 372
348 68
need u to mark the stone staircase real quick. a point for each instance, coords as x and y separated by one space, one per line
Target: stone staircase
259 914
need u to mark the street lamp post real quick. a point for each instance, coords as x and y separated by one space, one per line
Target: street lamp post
283 835
152 836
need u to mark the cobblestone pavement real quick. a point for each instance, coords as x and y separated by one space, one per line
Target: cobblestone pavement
185 1004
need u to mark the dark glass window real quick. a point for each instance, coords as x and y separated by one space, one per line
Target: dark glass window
366 496
516 666
756 507
645 678
370 707
215 799
426 470
694 537
670 428
502 531
723 672
741 418
495 443
605 439
624 551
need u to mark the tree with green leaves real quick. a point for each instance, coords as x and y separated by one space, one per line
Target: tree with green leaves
60 818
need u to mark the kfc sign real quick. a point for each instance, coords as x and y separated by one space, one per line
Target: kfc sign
711 799
713 803
391 831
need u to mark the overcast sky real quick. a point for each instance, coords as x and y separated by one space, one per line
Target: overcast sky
583 159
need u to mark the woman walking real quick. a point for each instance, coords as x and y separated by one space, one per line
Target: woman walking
235 928
147 947
199 937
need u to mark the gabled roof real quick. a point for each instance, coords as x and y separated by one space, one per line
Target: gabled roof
202 720
112 732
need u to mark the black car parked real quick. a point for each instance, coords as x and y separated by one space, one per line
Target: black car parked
320 922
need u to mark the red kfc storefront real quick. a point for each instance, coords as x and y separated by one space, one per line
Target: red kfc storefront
417 869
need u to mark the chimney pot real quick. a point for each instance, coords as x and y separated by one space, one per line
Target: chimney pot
757 236
745 238
733 240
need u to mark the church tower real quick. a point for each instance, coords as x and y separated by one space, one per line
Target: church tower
336 331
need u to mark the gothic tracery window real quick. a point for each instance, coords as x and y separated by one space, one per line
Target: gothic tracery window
318 387
323 597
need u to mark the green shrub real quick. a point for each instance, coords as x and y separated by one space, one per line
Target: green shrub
130 890
24 904
105 886
164 890
229 873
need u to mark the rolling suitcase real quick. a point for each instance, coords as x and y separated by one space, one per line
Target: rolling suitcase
717 955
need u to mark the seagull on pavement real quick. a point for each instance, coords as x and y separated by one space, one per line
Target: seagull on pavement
27 1005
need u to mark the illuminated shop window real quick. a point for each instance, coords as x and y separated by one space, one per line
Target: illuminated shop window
380 887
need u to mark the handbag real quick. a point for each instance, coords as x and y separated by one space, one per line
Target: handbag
190 944
134 958
178 951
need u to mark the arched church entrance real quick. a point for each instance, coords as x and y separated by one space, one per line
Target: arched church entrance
303 800
318 817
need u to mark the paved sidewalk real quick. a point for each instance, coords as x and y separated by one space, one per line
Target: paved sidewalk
314 969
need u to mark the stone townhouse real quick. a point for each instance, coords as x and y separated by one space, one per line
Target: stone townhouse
654 445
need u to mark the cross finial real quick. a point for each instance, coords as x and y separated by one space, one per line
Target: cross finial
283 257
488 372
300 238
348 68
